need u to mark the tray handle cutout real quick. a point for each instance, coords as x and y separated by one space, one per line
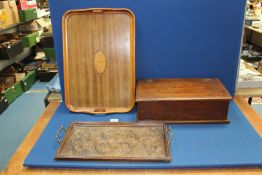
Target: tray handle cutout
99 110
61 128
97 10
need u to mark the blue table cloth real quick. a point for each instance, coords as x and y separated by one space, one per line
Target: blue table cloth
211 145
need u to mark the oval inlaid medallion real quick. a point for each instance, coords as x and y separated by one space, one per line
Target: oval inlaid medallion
100 62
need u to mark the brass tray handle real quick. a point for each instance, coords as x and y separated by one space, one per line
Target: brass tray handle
62 128
170 134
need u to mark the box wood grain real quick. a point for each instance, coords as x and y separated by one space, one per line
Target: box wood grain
182 100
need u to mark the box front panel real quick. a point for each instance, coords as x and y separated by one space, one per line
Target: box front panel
183 110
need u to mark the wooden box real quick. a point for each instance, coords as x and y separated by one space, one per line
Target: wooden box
182 100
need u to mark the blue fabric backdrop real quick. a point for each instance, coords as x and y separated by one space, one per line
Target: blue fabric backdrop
174 38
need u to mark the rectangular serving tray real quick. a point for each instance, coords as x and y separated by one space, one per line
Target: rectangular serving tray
115 142
99 60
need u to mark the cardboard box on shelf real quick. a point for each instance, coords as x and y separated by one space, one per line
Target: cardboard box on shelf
27 15
3 18
259 67
50 66
29 40
49 29
40 56
11 11
30 27
42 12
36 25
10 49
22 5
31 4
19 76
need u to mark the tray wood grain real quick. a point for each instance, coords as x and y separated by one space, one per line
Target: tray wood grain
99 60
115 142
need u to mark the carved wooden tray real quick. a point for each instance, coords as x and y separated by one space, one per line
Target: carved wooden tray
115 141
99 60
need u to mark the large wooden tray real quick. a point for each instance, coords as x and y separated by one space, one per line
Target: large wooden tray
99 60
115 141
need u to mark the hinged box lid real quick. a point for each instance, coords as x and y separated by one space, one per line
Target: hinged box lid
181 89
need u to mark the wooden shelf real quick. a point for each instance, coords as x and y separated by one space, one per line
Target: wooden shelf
252 35
13 28
250 92
26 53
253 29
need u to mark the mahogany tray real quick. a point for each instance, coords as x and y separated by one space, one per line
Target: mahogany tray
99 60
115 142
